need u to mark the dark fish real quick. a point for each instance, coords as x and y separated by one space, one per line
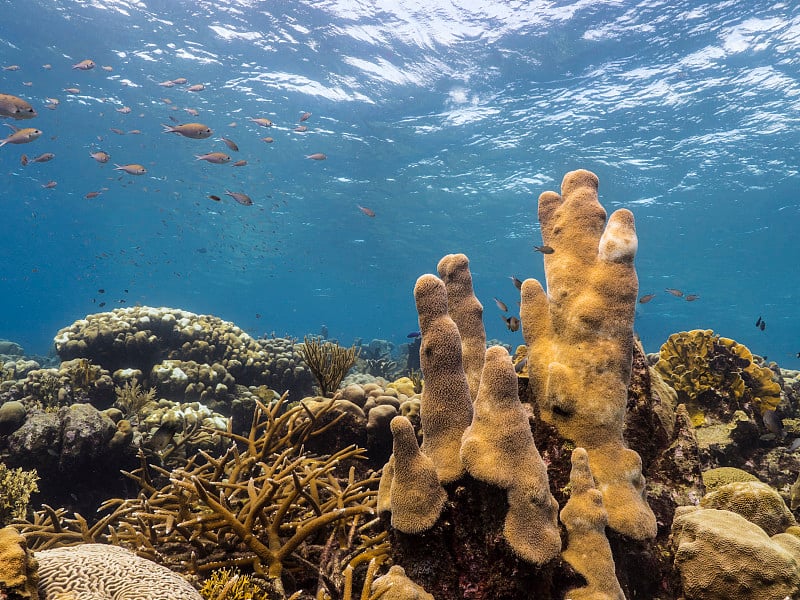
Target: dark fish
763 325
511 322
215 198
101 291
414 334
517 283
794 445
305 116
758 322
692 297
161 438
520 366
674 292
544 249
230 144
501 305
258 315
773 422
367 211
646 298
23 160
241 198
102 304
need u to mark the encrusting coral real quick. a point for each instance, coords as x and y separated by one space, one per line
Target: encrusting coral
588 550
580 340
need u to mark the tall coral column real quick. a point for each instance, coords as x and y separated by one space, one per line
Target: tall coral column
580 340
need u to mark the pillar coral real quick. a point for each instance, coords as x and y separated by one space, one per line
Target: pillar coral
498 448
588 550
467 312
446 405
580 340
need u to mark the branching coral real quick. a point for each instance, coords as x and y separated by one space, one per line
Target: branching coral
265 504
16 487
132 398
328 361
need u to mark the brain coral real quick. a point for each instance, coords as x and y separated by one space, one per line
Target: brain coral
755 501
701 365
103 572
715 478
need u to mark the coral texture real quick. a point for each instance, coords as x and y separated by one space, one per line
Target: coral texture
100 571
722 555
395 585
588 550
498 448
446 404
18 575
580 340
755 501
467 313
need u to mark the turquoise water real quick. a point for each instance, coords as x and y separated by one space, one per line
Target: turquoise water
447 119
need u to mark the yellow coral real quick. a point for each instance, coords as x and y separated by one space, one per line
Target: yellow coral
230 584
755 501
699 362
715 478
404 385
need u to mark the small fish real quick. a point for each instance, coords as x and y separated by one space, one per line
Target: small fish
196 131
414 334
512 323
23 160
132 169
197 87
520 366
192 111
692 297
301 129
102 304
241 198
367 211
91 195
84 65
100 156
215 198
21 136
125 110
517 283
773 422
135 132
240 163
217 158
267 140
101 291
16 108
11 68
263 122
50 185
674 292
544 249
45 157
47 66
230 144
167 84
161 438
646 298
763 325
107 68
317 156
305 116
758 322
501 305
72 90
116 130
180 80
794 445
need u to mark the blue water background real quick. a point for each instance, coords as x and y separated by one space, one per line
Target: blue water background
448 119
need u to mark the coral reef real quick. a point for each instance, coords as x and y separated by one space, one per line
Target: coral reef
580 340
328 361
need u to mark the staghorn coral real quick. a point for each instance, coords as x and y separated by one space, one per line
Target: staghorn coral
713 372
328 361
580 340
263 504
104 572
588 550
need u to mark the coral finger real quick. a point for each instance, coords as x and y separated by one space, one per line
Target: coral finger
534 312
619 242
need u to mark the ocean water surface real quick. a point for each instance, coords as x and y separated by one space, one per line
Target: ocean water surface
445 120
